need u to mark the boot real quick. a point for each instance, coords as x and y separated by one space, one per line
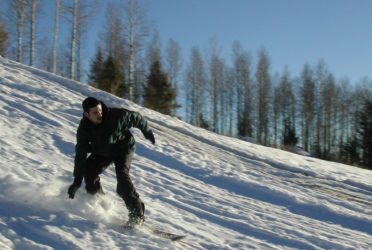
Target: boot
94 191
134 221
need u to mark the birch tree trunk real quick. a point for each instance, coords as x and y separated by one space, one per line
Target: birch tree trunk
20 6
75 10
32 32
55 35
136 32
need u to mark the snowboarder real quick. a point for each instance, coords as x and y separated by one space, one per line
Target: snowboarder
104 133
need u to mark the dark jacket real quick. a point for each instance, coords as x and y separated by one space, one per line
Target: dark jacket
110 138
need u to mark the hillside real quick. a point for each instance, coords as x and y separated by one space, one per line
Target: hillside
222 192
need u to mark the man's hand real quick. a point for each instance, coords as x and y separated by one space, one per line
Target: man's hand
72 190
149 136
74 187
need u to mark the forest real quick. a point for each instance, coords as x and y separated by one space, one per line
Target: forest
238 96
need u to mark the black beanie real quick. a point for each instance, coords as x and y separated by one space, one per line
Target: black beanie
89 103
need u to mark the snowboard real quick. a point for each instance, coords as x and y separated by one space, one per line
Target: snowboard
167 235
158 232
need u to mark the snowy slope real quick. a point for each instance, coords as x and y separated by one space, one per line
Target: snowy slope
222 192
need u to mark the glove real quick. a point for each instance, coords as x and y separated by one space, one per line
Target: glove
72 190
74 187
149 136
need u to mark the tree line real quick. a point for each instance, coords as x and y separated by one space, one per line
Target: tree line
328 117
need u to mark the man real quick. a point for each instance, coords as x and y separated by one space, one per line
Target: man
104 132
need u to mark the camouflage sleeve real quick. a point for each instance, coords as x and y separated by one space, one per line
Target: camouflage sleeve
136 120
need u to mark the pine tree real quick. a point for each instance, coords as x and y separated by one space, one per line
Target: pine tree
289 134
366 134
350 151
159 94
96 69
112 77
3 39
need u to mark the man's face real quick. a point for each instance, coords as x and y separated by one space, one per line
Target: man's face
95 114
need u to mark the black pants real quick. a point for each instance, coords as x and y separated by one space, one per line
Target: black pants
96 164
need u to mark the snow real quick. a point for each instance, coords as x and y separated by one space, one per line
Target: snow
223 193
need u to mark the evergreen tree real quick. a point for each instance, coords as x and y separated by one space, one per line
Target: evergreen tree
112 77
96 69
366 134
159 94
289 134
350 151
3 39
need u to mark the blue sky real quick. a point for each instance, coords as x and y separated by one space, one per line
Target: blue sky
292 31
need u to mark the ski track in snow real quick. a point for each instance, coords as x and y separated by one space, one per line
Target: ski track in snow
221 192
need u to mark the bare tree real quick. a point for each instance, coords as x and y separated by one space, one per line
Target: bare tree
79 12
63 59
153 53
244 90
320 79
216 79
326 111
263 94
330 93
285 99
276 110
153 58
307 104
173 61
223 94
230 97
343 121
195 85
113 45
44 59
113 41
136 31
173 66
